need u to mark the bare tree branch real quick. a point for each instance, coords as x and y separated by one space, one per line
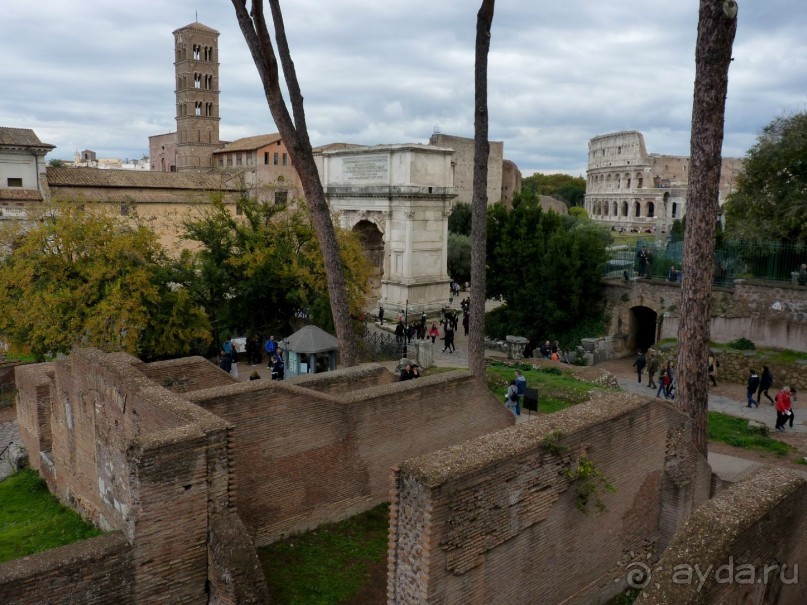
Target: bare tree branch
294 134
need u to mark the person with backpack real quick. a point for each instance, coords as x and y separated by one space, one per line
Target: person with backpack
753 385
652 368
511 398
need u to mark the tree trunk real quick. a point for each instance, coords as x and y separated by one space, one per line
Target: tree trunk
717 25
295 136
479 205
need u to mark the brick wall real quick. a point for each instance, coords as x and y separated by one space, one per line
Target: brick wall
187 374
96 571
755 549
304 457
131 455
494 520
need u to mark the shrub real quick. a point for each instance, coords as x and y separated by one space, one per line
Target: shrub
742 344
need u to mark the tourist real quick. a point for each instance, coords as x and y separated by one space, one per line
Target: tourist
511 398
753 385
663 384
521 383
465 323
670 390
644 257
652 368
400 332
448 337
765 382
639 364
783 409
712 369
415 371
271 349
434 332
803 274
546 350
380 315
673 274
406 373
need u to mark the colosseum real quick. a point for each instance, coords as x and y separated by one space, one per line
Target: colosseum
626 187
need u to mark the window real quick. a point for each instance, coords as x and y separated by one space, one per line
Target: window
281 196
14 181
637 209
197 80
651 209
197 52
266 158
674 209
198 109
238 210
285 158
639 182
221 161
275 158
230 160
237 159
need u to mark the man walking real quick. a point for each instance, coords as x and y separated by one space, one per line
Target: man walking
639 364
753 385
652 368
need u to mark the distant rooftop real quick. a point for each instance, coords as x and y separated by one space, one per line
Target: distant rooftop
21 137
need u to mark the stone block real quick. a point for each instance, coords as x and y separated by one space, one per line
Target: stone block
589 344
18 456
589 357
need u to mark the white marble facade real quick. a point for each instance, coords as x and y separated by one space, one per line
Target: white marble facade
406 193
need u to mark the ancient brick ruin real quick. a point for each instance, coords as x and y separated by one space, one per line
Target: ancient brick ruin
187 468
494 520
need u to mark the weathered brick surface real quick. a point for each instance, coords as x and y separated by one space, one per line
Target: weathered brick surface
304 457
131 455
348 379
755 523
235 572
186 374
96 571
493 520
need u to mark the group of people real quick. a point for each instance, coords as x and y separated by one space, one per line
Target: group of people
515 393
228 357
410 371
550 350
666 380
759 385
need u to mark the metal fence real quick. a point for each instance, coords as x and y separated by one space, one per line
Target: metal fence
375 345
769 261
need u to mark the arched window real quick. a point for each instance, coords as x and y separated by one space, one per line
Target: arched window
615 209
651 209
605 208
624 208
637 209
674 209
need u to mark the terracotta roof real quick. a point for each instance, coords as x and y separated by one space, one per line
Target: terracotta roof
139 179
198 26
107 195
21 137
20 195
250 143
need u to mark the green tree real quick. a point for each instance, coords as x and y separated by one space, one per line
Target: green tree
546 267
459 257
579 213
78 276
255 271
56 163
459 221
293 129
770 202
570 189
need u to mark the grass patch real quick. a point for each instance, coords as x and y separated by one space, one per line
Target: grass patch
734 431
557 389
329 564
33 520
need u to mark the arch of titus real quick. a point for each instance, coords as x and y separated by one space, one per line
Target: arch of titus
400 195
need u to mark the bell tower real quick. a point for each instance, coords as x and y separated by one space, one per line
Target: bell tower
197 92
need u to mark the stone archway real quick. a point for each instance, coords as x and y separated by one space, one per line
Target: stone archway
642 329
372 241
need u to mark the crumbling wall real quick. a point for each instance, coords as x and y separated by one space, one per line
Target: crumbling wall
187 374
348 379
495 519
304 457
95 571
131 455
754 553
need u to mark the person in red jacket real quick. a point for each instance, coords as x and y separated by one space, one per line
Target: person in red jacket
783 411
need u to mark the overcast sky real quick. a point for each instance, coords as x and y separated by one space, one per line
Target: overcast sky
96 74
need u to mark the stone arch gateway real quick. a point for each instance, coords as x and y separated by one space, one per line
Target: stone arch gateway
642 328
372 241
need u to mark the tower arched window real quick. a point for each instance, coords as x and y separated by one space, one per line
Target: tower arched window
198 108
197 80
197 52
